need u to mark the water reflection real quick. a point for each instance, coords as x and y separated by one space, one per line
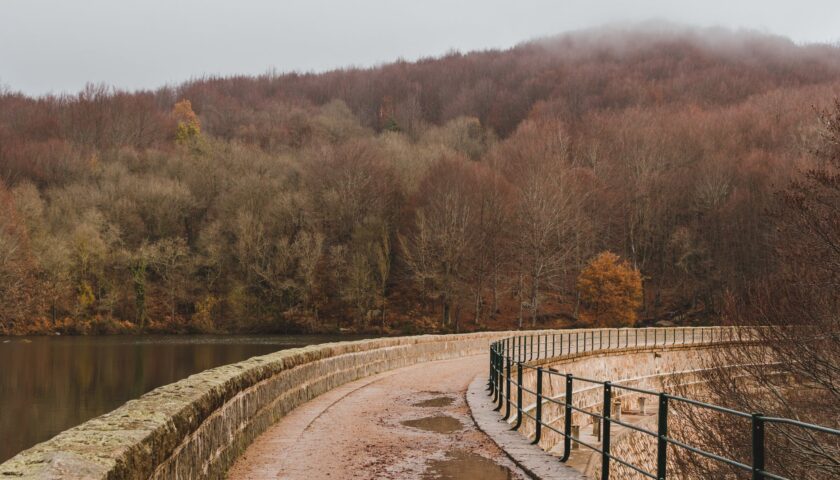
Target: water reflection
49 384
437 424
460 464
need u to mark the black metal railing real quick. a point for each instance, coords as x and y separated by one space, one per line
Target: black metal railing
529 353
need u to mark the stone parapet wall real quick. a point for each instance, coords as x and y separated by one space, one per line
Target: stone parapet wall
645 361
657 369
195 428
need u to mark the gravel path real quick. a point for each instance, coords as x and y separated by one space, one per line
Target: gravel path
357 431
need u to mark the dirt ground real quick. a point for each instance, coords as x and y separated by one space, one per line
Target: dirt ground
410 423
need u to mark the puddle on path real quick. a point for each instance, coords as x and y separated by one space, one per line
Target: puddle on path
435 402
460 465
438 424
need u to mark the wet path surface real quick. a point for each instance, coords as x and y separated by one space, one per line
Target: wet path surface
410 423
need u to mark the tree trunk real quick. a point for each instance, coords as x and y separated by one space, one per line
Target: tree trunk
535 288
384 303
521 303
478 308
495 292
172 299
446 311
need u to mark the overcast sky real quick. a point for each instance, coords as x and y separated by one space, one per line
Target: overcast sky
59 45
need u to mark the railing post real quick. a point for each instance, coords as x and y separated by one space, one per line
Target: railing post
757 446
495 363
531 349
507 397
661 442
514 349
540 349
518 396
490 376
567 420
538 431
500 378
499 373
605 442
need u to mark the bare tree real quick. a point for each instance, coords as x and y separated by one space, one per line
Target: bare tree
169 258
437 249
548 211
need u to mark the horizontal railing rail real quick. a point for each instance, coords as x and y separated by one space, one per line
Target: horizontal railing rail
530 352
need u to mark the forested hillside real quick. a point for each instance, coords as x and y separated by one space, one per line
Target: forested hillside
456 193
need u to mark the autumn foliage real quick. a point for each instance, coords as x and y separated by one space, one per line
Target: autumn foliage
611 289
462 192
189 126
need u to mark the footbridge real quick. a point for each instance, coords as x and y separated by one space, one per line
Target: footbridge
484 405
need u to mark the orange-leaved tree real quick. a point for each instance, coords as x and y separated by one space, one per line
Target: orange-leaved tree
189 127
611 289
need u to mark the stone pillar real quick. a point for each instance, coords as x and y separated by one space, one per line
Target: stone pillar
616 414
575 434
642 401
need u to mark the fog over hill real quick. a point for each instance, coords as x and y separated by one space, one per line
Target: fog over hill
55 46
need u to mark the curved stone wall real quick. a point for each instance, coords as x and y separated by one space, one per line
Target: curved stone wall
650 368
643 359
195 428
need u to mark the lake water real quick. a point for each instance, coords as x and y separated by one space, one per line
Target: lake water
49 384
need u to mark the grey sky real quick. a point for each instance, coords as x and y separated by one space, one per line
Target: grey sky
59 45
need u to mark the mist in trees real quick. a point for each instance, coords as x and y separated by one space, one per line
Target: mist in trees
459 193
